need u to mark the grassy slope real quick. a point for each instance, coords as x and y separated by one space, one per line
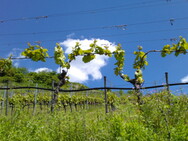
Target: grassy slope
155 120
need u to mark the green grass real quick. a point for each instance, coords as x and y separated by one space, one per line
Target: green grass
154 120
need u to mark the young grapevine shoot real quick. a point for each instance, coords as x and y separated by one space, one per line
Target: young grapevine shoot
35 53
141 62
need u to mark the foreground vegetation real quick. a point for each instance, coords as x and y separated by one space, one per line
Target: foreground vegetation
160 117
81 116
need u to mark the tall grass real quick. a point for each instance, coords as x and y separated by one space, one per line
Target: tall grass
155 120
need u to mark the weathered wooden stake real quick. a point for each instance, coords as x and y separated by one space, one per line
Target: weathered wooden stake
167 86
35 100
105 96
52 101
6 108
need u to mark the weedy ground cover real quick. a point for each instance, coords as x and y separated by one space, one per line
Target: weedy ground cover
161 117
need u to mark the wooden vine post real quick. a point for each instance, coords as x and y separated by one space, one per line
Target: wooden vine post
167 86
168 89
5 65
52 97
7 96
105 96
35 100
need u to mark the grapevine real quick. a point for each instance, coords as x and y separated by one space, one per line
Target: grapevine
141 59
119 54
38 53
35 53
180 48
139 63
59 57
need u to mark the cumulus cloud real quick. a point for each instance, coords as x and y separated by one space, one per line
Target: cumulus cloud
184 79
43 70
81 72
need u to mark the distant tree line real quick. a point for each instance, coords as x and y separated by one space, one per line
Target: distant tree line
22 76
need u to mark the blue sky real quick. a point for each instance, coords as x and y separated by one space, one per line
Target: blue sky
149 23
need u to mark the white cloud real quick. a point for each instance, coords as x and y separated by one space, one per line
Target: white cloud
71 35
81 72
43 70
77 75
16 53
184 79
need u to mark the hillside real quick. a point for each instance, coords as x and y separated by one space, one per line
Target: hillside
22 77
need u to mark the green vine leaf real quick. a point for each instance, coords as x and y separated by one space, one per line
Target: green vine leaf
35 53
99 50
59 57
119 55
87 58
180 48
166 50
140 60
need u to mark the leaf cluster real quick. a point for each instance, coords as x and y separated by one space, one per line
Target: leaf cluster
112 98
119 55
89 54
21 100
180 48
60 58
36 53
139 63
140 59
